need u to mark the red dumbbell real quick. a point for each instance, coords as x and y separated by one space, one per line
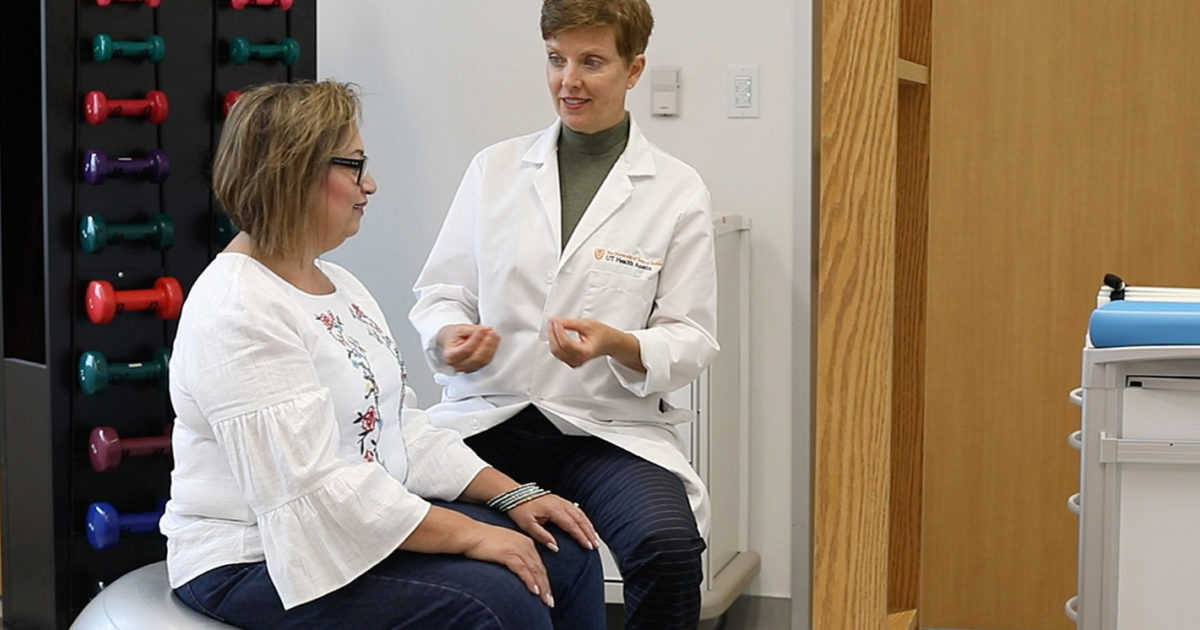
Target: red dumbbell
242 4
103 303
97 107
227 102
153 4
106 448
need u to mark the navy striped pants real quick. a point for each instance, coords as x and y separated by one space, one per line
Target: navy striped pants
640 510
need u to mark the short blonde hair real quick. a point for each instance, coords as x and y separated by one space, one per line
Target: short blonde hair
630 20
274 148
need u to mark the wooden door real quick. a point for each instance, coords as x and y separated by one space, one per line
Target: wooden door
1064 143
855 227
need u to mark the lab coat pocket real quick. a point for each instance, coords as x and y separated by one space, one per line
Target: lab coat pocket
619 300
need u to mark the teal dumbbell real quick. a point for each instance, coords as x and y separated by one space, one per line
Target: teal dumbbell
241 51
223 229
105 48
95 233
95 372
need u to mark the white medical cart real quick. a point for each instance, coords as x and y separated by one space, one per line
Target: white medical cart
1139 503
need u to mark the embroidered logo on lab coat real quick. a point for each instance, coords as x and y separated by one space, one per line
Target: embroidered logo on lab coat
628 260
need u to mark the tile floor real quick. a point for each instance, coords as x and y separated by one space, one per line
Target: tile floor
615 616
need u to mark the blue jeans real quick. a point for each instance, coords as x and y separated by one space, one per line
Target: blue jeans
640 509
417 591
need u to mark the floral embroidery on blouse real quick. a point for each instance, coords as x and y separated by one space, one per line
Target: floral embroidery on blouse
374 330
368 419
384 340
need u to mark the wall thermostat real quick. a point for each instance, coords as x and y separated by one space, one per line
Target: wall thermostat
664 91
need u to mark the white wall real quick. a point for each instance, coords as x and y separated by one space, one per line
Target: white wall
443 79
805 139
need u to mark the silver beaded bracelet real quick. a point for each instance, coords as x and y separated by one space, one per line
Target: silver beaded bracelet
511 499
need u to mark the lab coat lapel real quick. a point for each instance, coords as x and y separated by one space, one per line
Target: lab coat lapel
611 196
543 155
635 161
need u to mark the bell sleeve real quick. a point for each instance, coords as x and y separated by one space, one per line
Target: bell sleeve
323 520
440 465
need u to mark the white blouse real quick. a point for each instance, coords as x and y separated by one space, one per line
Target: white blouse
293 441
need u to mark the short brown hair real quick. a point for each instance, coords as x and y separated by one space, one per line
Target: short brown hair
275 146
630 20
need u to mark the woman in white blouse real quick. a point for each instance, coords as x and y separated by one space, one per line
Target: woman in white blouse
306 494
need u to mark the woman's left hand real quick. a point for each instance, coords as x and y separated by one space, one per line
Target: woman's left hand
592 339
551 508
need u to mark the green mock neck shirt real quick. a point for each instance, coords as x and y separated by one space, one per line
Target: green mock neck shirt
584 160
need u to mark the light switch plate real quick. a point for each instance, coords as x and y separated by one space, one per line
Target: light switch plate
743 91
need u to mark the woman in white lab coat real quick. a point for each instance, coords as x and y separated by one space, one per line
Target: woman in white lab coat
571 287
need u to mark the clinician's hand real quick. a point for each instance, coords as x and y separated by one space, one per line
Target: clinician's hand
595 339
467 347
530 516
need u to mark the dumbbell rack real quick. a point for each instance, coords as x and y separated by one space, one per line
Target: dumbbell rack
49 569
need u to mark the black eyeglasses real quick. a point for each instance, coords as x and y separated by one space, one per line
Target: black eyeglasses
358 164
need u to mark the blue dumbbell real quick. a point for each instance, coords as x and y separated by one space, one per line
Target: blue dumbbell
95 372
95 233
105 525
105 48
241 51
97 166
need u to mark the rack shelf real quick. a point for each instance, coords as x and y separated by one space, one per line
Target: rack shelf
912 72
902 619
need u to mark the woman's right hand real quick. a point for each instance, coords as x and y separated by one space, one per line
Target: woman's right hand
467 347
515 551
447 531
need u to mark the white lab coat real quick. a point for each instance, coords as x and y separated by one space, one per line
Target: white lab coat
641 260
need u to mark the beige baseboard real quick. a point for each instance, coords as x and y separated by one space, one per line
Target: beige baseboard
758 613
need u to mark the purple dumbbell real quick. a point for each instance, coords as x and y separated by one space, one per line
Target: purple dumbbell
105 525
97 166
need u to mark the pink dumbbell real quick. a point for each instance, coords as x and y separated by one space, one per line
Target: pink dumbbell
97 107
242 4
153 4
106 448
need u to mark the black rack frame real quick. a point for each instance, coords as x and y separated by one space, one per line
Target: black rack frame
46 67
